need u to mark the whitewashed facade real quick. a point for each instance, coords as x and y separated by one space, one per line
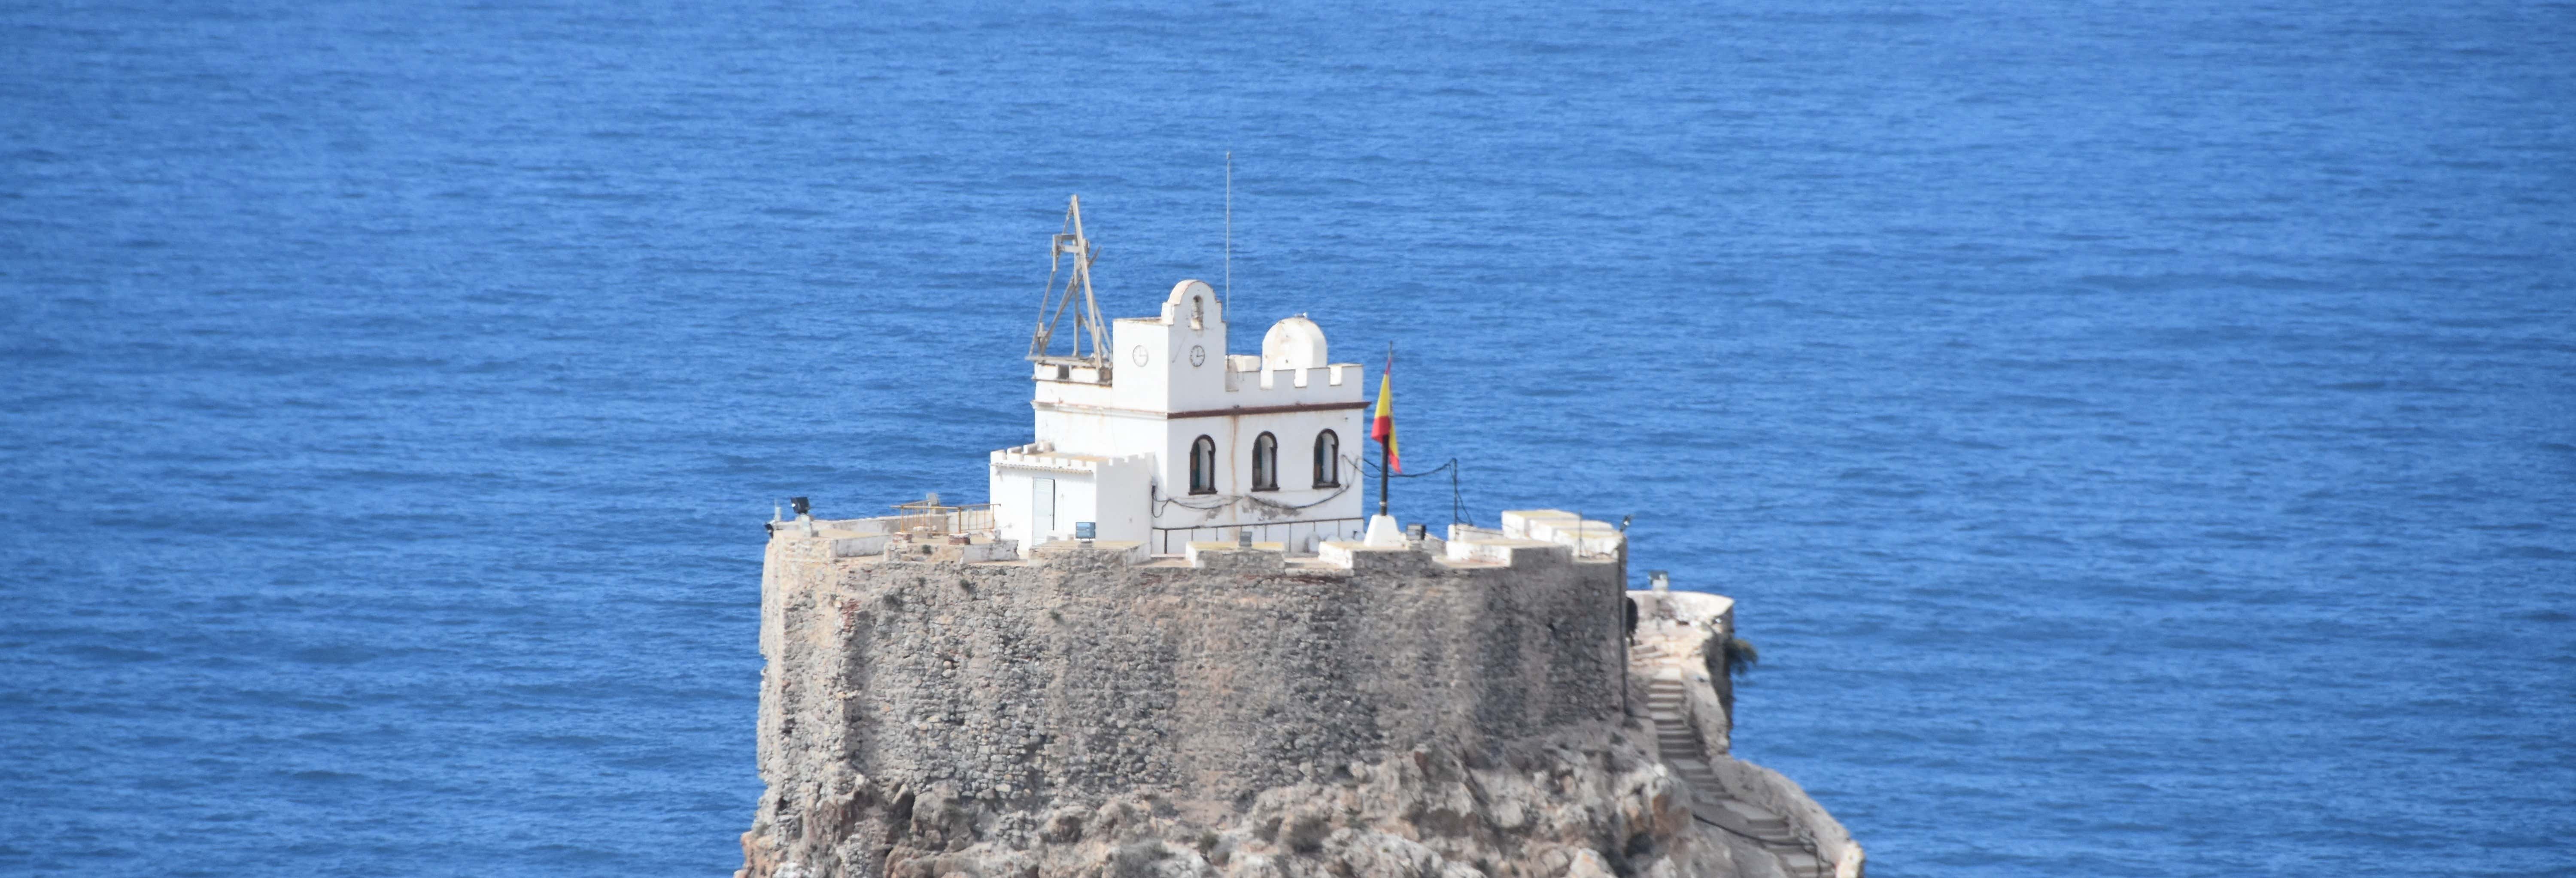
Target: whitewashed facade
1114 446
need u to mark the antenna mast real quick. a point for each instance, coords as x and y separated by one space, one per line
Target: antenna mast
1071 242
1229 233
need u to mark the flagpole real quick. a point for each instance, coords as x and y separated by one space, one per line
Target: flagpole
1385 446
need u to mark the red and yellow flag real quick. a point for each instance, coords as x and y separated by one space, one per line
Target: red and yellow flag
1384 429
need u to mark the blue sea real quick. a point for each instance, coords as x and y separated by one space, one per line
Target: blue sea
2141 436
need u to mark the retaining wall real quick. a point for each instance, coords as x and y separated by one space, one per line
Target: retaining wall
1083 672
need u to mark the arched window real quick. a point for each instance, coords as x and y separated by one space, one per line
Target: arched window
1203 466
1265 463
1328 460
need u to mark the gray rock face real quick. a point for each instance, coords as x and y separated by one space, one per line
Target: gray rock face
1547 809
1087 715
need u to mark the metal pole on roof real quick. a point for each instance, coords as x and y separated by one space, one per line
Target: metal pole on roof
1229 235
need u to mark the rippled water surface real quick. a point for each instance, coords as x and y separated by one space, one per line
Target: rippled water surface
2143 438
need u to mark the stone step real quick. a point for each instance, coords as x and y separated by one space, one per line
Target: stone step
1754 815
1800 864
1769 840
1771 833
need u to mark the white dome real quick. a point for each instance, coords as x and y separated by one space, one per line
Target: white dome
1294 343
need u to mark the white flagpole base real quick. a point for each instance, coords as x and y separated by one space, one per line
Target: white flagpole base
1384 533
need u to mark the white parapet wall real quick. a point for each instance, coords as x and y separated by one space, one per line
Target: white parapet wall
1506 552
1529 536
1585 536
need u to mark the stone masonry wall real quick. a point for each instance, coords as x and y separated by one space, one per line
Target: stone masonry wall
1029 684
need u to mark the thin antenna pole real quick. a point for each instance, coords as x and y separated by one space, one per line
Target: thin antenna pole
1229 234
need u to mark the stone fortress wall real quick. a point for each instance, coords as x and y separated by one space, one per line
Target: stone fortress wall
936 703
1091 669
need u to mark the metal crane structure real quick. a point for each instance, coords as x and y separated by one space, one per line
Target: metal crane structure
1071 242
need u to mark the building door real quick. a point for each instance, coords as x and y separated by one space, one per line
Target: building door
1042 511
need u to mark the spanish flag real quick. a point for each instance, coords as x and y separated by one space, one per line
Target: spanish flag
1384 430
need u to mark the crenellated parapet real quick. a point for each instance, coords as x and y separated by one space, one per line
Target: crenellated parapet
1265 387
1043 456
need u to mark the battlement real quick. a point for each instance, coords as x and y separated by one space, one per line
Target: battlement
1244 381
1043 456
1254 377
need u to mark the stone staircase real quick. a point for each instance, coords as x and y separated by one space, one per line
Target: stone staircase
1668 702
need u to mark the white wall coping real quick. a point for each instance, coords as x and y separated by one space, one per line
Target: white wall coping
1024 457
1198 547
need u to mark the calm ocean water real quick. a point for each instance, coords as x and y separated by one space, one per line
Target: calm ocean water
2143 438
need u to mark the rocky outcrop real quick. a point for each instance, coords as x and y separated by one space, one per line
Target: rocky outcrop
1678 654
1596 806
1100 713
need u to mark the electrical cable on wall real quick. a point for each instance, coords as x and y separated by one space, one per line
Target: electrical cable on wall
1225 500
1457 499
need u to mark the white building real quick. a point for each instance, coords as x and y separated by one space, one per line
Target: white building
1164 437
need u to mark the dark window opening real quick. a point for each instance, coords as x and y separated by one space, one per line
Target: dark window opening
1265 463
1203 466
1328 460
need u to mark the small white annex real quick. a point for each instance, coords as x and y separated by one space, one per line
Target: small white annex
1164 438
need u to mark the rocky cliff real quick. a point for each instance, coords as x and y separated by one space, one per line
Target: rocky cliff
1436 710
